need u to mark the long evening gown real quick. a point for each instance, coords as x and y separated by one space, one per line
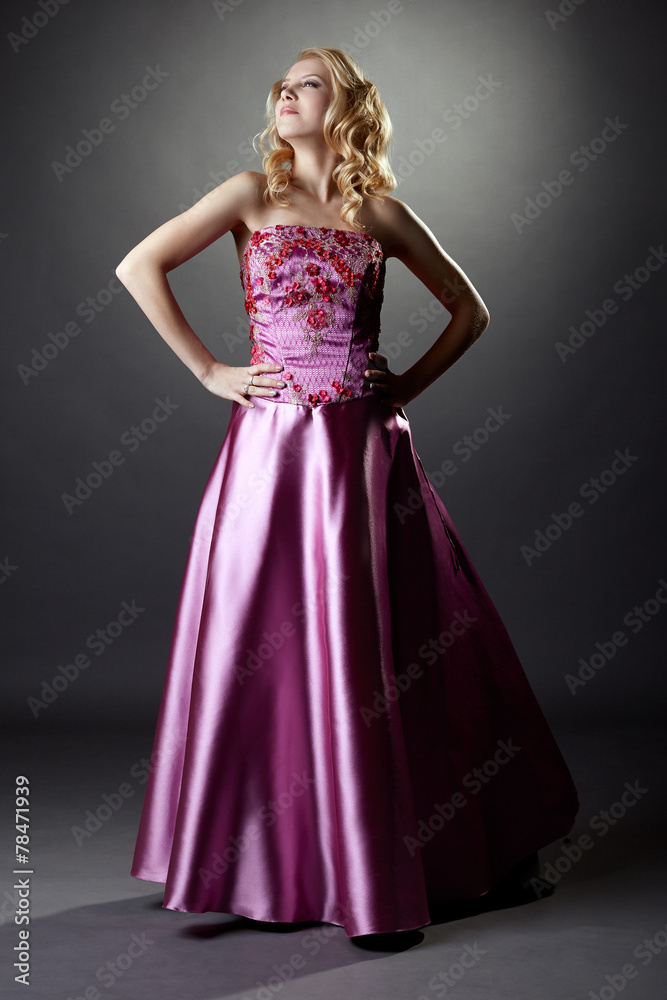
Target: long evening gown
346 733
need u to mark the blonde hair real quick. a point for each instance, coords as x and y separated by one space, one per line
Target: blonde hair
356 125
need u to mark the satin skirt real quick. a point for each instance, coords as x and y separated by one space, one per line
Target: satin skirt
346 733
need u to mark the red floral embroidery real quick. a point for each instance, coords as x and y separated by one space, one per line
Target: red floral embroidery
341 390
296 294
312 297
317 317
256 354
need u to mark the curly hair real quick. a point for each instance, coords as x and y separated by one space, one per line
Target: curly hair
356 126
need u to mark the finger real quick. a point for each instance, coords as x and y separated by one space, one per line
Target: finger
260 377
262 387
381 385
265 366
268 382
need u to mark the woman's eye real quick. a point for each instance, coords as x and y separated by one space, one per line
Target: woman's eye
311 82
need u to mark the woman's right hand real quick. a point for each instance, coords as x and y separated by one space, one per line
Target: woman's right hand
227 382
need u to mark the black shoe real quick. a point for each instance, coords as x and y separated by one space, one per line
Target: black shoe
391 941
521 884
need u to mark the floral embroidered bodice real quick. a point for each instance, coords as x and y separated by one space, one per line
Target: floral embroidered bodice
313 297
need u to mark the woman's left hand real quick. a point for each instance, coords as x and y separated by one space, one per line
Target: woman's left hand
393 389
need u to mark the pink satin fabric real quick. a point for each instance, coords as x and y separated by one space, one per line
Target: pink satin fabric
346 733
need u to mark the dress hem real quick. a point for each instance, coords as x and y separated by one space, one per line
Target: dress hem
433 904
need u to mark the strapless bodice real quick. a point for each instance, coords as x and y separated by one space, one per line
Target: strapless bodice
313 297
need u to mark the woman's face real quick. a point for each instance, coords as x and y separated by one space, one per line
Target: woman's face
305 95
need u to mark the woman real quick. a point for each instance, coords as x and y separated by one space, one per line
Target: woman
345 733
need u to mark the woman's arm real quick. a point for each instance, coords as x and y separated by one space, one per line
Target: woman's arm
413 243
144 270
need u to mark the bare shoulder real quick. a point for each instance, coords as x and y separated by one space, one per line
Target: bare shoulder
230 207
405 236
398 227
232 203
243 191
226 208
250 185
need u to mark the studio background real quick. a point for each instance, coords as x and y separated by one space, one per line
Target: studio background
515 95
530 140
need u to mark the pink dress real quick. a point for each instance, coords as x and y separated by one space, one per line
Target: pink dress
346 733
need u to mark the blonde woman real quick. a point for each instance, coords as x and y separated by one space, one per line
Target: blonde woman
346 734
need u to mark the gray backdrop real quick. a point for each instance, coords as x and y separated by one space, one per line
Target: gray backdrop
543 180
